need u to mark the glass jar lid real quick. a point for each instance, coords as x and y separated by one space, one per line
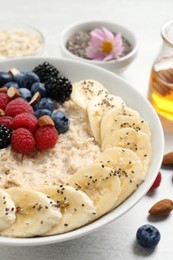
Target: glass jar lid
167 32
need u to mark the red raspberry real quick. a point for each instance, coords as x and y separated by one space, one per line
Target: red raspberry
157 182
25 120
18 106
46 137
22 141
4 100
6 121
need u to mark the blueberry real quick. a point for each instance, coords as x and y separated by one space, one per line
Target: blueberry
61 121
26 79
25 93
148 236
45 103
41 112
38 87
5 77
11 84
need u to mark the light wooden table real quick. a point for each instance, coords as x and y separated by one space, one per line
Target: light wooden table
144 17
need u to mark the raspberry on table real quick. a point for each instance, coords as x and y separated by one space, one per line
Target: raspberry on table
22 141
4 100
25 120
157 182
6 121
18 106
46 137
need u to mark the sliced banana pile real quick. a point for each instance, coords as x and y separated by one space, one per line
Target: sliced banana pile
123 135
35 213
95 189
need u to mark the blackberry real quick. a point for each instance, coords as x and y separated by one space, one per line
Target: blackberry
45 71
5 136
58 88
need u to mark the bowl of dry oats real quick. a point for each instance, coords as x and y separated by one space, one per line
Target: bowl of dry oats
18 40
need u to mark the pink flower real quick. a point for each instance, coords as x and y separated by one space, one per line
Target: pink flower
104 45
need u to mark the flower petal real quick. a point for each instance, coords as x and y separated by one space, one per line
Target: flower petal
108 35
100 37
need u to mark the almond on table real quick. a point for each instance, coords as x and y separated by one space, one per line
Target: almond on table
161 208
168 159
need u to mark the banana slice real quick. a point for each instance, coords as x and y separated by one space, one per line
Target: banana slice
121 110
100 184
7 210
127 165
111 122
138 142
76 207
97 107
84 90
35 213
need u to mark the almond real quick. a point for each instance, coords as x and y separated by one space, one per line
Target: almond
3 89
13 93
2 113
168 159
45 120
161 208
13 71
36 97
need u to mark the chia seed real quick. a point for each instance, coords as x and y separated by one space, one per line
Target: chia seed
78 43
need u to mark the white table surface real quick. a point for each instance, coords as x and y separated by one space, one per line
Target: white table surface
144 17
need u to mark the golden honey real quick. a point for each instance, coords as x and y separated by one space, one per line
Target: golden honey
161 88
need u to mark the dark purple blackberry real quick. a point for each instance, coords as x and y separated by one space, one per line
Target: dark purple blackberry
5 136
45 71
58 88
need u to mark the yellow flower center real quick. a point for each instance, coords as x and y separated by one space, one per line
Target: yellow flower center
107 47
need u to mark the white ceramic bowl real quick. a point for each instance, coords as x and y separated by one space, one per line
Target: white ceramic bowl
76 71
118 65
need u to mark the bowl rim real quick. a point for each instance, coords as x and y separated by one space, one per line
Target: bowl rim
129 203
95 62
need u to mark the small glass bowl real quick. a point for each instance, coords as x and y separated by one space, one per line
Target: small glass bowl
19 40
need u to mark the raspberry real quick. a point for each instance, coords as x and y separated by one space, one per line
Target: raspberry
6 121
46 137
25 120
4 100
157 182
18 106
22 141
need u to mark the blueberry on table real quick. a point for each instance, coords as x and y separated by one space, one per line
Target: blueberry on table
4 78
25 93
148 236
11 84
38 87
41 112
45 103
61 121
26 79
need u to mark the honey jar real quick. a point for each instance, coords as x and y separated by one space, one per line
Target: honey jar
161 79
